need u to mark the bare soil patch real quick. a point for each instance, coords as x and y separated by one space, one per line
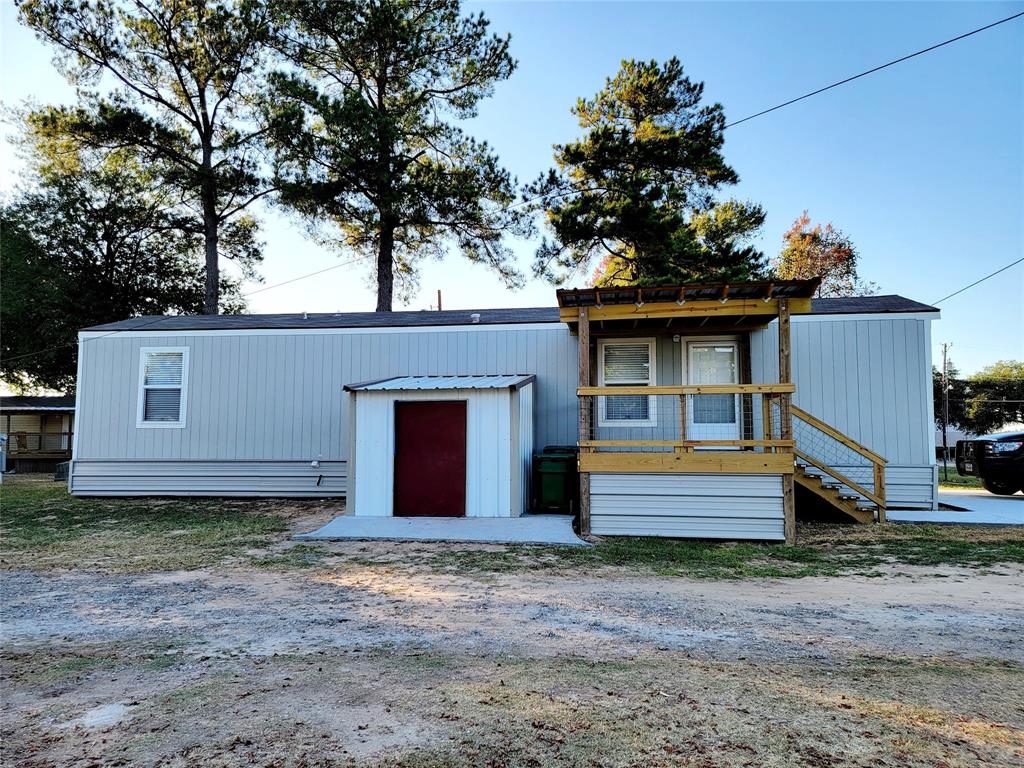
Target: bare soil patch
195 633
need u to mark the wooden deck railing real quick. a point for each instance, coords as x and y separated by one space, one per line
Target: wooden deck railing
671 440
39 444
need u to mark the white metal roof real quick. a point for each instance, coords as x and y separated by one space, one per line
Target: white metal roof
398 383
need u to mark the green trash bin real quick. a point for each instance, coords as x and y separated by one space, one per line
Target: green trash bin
556 479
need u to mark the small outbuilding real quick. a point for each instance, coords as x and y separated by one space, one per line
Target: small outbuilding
38 431
441 446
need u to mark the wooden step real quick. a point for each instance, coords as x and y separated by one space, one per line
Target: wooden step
831 493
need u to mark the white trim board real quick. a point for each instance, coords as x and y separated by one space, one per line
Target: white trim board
834 316
554 325
139 333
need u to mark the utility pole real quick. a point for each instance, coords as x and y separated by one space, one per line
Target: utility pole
945 408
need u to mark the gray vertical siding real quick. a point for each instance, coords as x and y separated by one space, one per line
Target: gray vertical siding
870 378
277 400
262 406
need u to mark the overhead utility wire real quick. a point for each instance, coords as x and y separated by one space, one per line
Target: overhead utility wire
982 280
728 125
876 69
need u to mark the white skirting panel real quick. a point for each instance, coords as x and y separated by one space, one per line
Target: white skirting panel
910 487
208 478
687 506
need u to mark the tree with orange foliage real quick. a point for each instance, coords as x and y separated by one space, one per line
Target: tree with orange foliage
821 251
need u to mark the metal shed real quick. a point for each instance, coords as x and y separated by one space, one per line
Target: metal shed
441 446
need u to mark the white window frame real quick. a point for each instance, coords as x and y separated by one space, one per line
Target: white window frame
652 378
140 421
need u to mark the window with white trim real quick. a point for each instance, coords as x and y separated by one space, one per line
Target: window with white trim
163 379
626 363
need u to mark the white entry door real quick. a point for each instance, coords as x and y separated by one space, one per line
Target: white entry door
713 417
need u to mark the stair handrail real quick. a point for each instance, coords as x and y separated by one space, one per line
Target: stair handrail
837 475
877 462
832 432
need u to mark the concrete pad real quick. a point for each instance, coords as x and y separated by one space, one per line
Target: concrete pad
979 508
528 529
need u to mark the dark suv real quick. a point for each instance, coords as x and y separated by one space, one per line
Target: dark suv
997 459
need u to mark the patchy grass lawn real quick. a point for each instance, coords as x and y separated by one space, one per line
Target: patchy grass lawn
46 528
822 550
953 479
402 709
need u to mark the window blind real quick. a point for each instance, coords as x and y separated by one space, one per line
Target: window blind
162 405
162 386
627 364
164 368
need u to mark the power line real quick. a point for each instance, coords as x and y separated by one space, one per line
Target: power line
982 280
163 317
876 69
302 277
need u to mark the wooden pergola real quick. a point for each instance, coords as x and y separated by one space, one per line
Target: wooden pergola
695 308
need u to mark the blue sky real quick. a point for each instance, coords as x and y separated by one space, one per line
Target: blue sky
921 164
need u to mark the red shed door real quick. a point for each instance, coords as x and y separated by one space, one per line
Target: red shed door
430 459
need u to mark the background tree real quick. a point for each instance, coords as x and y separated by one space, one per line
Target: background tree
183 75
364 141
995 397
638 190
86 246
984 402
823 251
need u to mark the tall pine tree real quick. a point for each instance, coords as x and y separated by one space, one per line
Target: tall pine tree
364 138
637 192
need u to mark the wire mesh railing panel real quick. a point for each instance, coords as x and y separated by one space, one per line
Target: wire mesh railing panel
38 442
673 422
829 452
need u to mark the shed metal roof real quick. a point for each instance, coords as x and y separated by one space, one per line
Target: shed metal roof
409 383
38 403
448 317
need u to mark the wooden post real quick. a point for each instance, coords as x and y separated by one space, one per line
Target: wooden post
766 416
682 423
880 489
583 338
786 420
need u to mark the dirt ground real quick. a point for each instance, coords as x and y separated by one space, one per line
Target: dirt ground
376 660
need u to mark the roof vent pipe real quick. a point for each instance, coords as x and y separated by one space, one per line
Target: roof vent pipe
475 317
305 316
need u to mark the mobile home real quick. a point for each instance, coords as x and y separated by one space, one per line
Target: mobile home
698 410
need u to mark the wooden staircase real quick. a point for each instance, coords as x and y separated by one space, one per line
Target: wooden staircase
820 451
817 455
848 503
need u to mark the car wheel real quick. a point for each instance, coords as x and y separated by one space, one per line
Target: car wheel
999 487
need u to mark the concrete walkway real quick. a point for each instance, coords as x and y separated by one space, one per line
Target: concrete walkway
981 508
528 529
